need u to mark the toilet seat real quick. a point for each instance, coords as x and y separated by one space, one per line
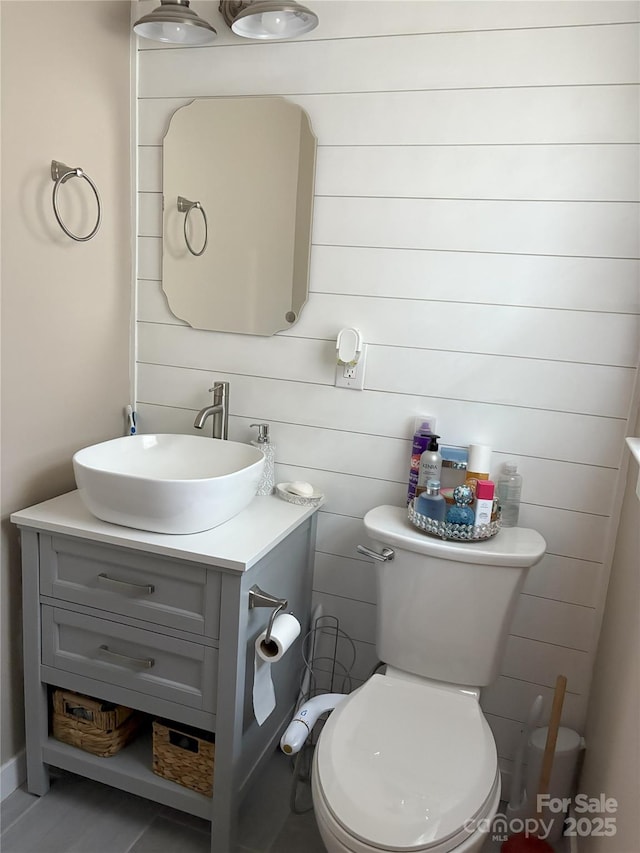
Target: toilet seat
337 840
406 766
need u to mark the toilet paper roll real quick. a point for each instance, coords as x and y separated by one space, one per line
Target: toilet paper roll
286 629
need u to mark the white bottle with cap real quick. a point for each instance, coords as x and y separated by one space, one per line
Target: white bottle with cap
479 464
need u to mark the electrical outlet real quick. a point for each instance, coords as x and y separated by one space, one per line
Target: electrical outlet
352 376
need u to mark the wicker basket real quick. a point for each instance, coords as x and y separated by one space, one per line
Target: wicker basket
184 755
101 728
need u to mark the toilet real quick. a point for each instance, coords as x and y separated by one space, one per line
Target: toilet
407 762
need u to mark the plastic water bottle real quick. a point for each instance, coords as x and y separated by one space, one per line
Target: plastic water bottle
509 492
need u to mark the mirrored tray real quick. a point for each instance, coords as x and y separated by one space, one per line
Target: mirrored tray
457 532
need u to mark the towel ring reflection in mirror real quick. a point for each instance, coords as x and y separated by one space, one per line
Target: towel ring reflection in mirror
185 206
60 174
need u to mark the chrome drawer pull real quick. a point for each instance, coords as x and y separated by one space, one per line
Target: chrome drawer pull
142 588
384 556
124 660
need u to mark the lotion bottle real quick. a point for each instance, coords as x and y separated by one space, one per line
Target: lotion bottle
430 465
263 443
423 430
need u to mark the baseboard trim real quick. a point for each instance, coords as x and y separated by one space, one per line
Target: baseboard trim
12 774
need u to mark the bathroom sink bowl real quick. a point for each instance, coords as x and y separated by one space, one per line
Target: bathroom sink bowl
167 483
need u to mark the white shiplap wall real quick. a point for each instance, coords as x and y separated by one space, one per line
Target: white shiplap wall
476 217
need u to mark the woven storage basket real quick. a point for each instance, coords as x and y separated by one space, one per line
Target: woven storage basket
101 728
184 755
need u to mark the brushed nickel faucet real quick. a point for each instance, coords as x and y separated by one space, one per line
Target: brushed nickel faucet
219 410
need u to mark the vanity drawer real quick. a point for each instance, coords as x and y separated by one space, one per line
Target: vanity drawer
158 590
171 669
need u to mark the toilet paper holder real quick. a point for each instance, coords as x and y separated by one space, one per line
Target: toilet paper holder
260 598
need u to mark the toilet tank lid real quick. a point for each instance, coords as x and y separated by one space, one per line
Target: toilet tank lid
519 547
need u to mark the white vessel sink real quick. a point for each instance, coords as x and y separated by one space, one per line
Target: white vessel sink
167 483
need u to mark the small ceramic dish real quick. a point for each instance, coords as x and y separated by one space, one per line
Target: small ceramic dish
283 492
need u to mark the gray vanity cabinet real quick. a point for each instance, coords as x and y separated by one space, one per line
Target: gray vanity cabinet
163 625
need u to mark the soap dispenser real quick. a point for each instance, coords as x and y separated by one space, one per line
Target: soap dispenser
263 443
430 465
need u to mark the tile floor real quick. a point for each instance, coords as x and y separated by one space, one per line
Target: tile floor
81 816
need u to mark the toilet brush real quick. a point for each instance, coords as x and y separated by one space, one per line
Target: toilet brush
523 842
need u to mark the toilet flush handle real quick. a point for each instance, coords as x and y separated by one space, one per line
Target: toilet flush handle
383 557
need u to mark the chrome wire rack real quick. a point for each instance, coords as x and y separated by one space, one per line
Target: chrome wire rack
323 672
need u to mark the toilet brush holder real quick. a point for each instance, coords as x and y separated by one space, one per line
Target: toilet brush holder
563 775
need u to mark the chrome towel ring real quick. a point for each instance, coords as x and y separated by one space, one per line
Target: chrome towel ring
60 173
185 206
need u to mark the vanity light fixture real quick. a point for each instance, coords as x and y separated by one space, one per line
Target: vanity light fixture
175 23
268 19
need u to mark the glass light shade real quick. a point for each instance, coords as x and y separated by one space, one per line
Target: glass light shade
174 23
269 19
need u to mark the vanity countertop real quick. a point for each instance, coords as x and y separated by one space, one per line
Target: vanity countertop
236 545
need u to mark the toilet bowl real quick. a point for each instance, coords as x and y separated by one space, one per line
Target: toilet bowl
405 765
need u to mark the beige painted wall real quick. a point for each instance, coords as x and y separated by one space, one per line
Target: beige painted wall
65 305
612 760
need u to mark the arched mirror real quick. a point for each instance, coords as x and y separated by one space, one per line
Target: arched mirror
238 178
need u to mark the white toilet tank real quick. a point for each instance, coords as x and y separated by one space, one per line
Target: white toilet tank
444 608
